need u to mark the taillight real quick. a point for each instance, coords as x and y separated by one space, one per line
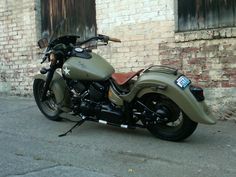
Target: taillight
197 92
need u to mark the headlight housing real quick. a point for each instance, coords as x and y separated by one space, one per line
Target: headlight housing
52 58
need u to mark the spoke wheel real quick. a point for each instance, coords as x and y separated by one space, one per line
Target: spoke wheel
173 125
48 107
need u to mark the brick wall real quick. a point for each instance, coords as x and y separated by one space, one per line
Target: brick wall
210 63
18 51
141 25
147 30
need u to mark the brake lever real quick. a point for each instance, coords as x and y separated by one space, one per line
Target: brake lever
44 59
45 56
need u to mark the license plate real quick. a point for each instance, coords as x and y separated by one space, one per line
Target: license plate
182 82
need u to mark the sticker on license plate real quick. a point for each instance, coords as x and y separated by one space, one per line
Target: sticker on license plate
182 82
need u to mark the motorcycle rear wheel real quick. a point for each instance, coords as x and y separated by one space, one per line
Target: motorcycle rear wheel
178 126
48 107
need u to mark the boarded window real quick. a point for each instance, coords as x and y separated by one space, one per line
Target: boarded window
206 14
79 15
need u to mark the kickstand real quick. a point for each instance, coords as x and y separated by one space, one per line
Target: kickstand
70 131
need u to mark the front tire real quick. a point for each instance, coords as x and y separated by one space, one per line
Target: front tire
177 126
48 107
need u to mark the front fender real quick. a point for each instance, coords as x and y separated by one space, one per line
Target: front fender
164 83
59 88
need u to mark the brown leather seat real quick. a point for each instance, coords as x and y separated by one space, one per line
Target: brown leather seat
123 78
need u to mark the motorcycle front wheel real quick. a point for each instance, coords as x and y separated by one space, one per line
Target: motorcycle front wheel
48 107
176 126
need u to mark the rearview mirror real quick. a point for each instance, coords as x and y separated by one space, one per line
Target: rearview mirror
42 43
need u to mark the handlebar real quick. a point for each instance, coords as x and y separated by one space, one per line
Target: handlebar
103 38
100 37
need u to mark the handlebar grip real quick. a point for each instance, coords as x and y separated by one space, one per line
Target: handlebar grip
114 39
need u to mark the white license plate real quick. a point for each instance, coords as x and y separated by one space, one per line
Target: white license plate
182 82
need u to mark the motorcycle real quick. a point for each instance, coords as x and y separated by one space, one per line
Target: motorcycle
82 85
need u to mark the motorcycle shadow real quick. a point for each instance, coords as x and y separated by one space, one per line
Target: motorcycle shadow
203 136
96 128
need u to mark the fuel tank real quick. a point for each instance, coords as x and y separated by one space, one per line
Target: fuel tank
94 68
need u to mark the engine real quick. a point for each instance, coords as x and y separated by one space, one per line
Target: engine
90 99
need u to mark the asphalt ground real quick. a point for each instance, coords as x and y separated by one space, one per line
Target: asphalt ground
30 147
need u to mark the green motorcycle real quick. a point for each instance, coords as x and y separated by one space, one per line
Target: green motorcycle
82 85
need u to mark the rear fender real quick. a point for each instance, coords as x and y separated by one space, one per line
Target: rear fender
60 90
162 83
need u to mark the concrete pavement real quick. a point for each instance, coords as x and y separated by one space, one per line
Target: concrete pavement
30 147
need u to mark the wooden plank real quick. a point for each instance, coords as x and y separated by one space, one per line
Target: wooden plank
234 12
205 14
186 15
212 13
200 13
226 15
80 16
181 16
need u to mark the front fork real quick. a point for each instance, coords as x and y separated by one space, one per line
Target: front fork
50 73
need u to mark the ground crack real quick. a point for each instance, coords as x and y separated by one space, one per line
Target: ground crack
147 157
33 171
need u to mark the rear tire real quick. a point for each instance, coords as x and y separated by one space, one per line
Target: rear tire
48 107
187 128
178 126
